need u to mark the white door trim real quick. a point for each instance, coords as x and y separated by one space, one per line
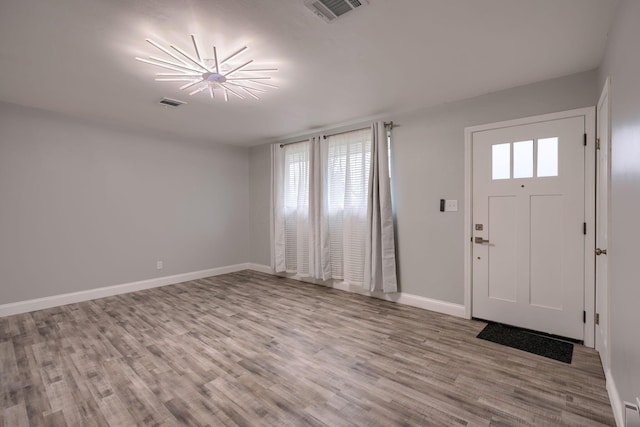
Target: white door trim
589 115
605 94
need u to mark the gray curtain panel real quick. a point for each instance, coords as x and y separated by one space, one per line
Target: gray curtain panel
380 254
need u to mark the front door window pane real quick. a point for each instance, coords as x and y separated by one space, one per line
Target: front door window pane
501 161
548 157
523 159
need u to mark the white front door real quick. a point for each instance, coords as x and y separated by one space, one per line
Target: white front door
528 215
602 228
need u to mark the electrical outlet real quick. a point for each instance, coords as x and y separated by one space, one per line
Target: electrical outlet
450 205
159 265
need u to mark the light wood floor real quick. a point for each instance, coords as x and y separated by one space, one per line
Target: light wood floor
250 349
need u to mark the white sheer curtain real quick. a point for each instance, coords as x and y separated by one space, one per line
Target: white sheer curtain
277 233
290 184
319 257
296 208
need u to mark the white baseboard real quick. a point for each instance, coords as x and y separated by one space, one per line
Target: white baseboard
614 398
438 306
107 291
398 297
261 268
70 298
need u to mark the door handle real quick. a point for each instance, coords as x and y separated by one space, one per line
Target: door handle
601 251
480 240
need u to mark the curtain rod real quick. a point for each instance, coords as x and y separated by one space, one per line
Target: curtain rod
389 125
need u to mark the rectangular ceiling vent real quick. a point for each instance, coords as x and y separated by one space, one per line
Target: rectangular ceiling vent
329 10
171 102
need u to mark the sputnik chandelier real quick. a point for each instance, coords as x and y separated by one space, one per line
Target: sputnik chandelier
210 75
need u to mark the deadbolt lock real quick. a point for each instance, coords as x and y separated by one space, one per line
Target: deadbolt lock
479 227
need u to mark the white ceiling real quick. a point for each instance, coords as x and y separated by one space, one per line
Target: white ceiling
77 57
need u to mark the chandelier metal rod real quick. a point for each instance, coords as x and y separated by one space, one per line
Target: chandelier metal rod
186 55
233 55
167 51
173 64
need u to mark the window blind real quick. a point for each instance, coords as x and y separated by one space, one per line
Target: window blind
296 209
345 163
348 166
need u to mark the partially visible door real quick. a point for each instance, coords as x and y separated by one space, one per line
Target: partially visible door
602 227
528 192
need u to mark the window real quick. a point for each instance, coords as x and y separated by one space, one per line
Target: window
523 159
501 161
346 162
548 156
524 156
296 206
349 162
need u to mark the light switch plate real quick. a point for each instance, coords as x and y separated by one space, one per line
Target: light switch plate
451 206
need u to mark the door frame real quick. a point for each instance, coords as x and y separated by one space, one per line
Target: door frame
606 94
589 115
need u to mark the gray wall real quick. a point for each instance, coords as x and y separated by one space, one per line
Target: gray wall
427 165
259 193
84 206
622 64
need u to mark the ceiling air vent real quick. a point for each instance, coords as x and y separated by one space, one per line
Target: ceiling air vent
332 9
171 102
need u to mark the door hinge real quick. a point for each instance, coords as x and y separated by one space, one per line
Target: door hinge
597 318
584 317
584 228
585 139
597 143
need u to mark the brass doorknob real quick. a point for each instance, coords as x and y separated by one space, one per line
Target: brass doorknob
601 251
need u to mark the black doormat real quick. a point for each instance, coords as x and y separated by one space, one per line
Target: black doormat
528 341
